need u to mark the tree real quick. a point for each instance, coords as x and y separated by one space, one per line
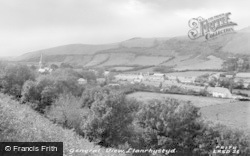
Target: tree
33 67
89 76
109 120
13 78
239 84
170 124
29 92
54 66
47 88
65 65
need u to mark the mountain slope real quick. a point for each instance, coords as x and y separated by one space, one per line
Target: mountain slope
149 51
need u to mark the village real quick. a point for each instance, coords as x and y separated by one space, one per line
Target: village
164 81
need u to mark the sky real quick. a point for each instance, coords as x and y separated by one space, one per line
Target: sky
31 25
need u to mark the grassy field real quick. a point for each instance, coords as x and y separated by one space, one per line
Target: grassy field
191 73
196 100
195 63
235 114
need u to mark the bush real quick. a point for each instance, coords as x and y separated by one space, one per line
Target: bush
67 111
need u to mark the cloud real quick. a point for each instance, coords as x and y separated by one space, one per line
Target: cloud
37 24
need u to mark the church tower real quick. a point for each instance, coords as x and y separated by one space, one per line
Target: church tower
41 62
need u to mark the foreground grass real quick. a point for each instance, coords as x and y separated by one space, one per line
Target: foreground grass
19 123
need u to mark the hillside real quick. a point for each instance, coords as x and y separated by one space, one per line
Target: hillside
22 124
180 52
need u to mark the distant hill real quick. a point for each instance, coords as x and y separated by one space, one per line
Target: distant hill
180 52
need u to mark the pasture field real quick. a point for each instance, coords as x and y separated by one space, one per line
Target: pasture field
195 63
197 101
235 114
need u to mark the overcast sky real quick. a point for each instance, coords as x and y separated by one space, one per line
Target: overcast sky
30 25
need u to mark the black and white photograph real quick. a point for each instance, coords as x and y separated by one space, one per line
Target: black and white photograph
124 78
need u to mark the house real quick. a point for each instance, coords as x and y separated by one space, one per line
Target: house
159 74
171 78
186 79
113 84
154 77
45 70
219 92
100 80
129 77
81 81
229 75
106 73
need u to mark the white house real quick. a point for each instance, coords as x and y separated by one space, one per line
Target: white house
219 92
186 79
82 81
106 73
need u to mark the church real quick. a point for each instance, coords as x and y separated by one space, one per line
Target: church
42 69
